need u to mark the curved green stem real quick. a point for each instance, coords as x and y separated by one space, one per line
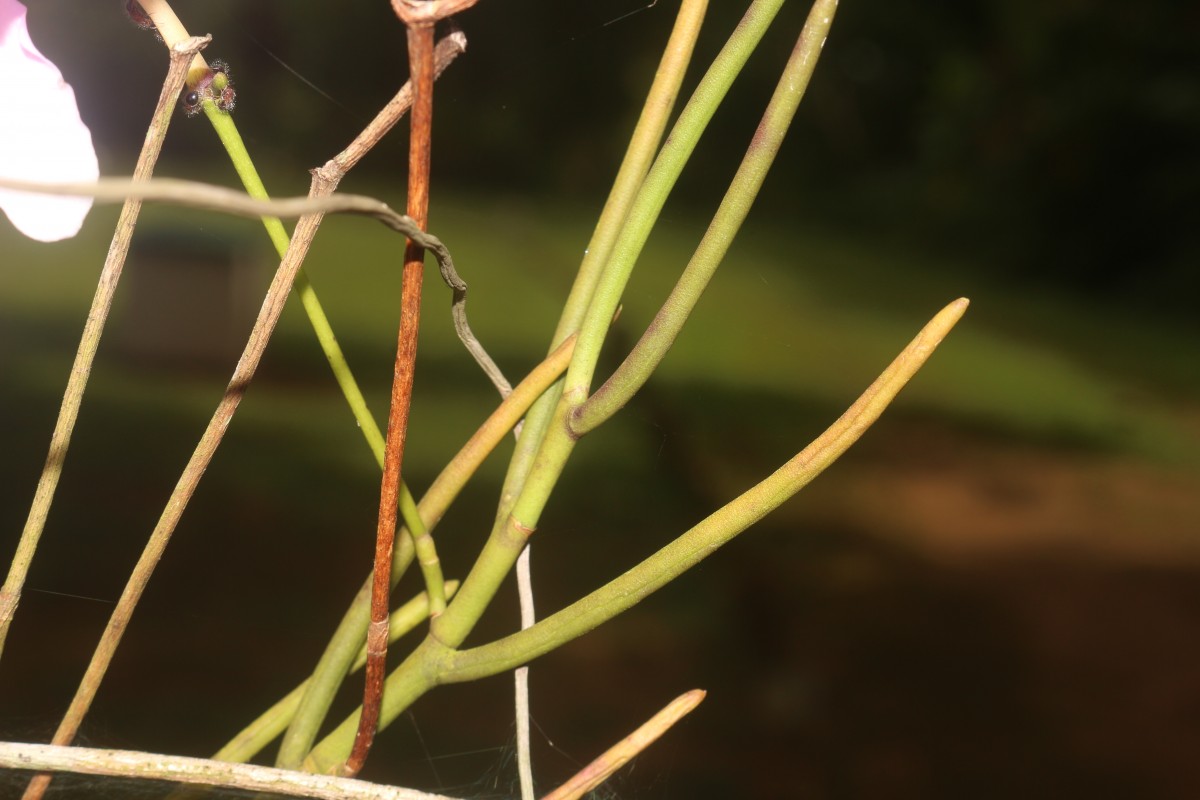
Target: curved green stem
667 167
647 134
350 635
715 530
272 722
415 676
645 357
435 663
513 529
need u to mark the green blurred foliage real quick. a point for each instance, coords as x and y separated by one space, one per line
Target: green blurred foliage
1052 142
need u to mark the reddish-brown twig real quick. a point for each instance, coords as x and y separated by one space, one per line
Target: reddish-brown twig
419 18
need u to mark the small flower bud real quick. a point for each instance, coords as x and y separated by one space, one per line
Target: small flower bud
213 84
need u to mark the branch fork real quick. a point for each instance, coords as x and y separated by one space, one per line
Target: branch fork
426 13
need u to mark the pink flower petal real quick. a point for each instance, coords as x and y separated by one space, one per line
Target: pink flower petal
42 137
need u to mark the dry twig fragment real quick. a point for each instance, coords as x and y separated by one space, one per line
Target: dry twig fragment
623 751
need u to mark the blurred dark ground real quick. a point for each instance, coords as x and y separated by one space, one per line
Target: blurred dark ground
952 611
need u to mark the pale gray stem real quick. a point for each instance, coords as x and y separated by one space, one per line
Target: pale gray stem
89 342
150 766
521 679
217 198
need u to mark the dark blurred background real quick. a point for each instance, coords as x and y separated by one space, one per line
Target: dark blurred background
995 594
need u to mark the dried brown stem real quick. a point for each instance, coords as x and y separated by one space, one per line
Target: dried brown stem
181 58
106 287
420 61
324 182
450 47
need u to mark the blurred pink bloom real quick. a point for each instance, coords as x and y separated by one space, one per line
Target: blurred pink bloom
42 137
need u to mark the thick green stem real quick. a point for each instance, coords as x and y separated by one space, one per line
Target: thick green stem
536 467
433 662
351 633
715 530
413 678
647 134
661 179
513 529
258 734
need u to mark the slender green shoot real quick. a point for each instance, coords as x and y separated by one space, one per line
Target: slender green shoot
513 529
661 333
434 663
351 633
272 722
643 144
